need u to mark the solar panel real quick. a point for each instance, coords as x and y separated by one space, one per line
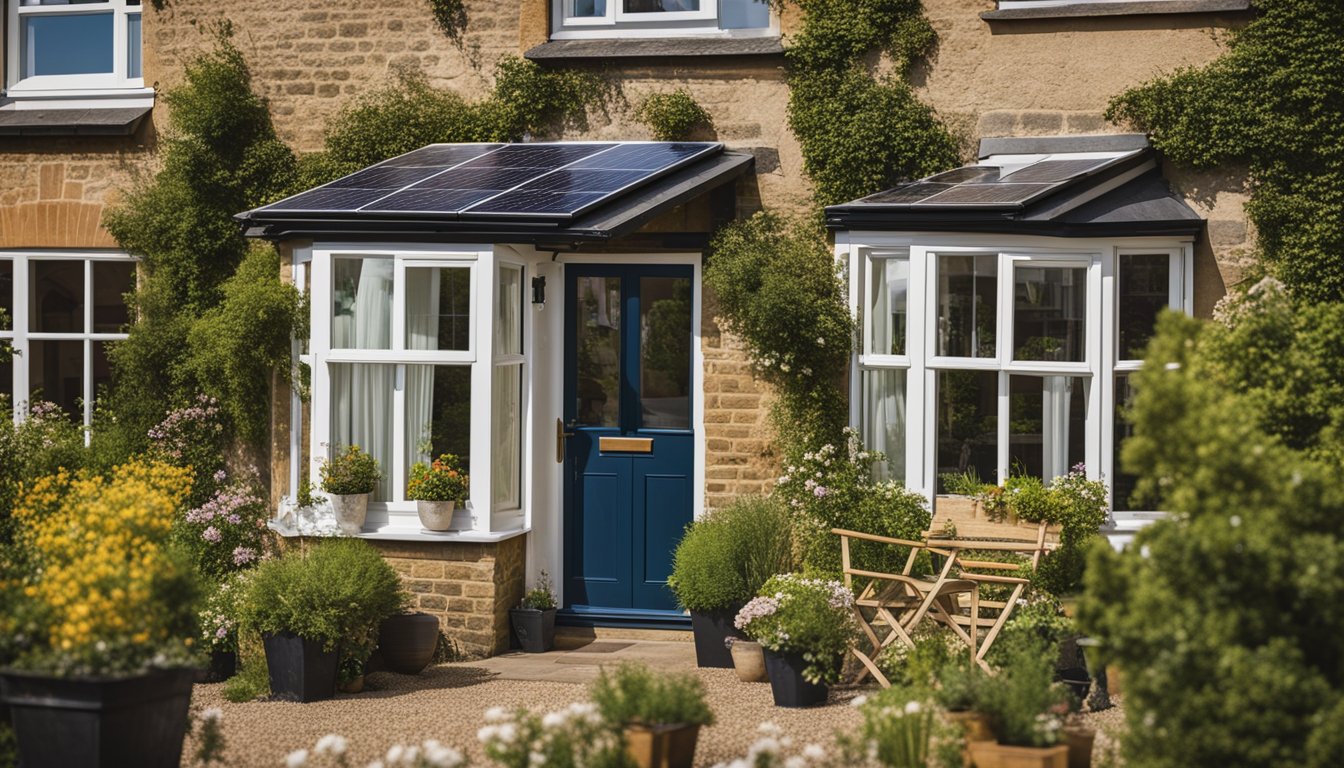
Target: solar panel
536 155
646 157
981 194
431 200
583 180
978 173
329 199
481 178
908 193
439 155
380 177
523 201
1054 170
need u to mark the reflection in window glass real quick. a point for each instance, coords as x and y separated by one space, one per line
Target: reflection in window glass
361 303
438 308
665 351
56 374
1123 483
101 370
508 309
660 6
887 294
66 44
1047 424
967 303
112 280
586 9
598 345
361 414
7 294
507 418
744 14
133 45
438 413
967 424
1145 282
884 421
57 304
1049 313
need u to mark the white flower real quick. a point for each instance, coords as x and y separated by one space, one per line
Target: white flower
441 756
331 744
536 758
858 701
375 764
814 752
795 762
507 732
553 720
768 728
297 759
395 753
213 713
1235 520
912 707
496 715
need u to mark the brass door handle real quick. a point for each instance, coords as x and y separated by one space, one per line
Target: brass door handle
560 435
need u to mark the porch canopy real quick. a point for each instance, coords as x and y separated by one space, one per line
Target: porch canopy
544 193
1057 186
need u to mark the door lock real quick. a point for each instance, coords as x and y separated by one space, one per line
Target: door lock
560 435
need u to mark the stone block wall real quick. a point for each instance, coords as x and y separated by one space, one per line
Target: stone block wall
469 587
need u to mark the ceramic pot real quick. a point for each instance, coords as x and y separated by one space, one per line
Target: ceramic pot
749 661
407 642
988 754
299 669
661 746
787 684
533 629
709 629
436 515
350 509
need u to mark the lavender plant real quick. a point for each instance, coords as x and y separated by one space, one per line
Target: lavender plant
810 617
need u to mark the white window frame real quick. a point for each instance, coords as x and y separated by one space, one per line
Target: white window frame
20 334
513 360
1006 4
709 9
617 22
73 85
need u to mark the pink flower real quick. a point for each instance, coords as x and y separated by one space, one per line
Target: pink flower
212 535
244 555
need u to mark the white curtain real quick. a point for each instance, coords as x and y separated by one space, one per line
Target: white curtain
884 421
362 393
888 298
507 415
1056 395
422 332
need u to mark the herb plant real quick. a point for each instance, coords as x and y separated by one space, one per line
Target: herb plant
724 558
350 471
540 597
635 694
810 617
441 480
1021 699
900 729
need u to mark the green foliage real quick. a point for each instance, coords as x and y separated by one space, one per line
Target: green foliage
1274 103
442 480
1020 697
900 730
253 680
351 471
636 694
1225 617
725 557
959 684
966 483
810 617
46 441
451 16
220 611
540 597
886 135
574 737
1041 620
777 288
673 116
336 593
919 667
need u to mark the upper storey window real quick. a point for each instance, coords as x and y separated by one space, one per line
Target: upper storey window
661 18
73 45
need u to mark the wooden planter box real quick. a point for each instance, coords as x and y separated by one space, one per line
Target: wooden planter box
988 754
662 746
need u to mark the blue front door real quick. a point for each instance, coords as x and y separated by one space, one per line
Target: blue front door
629 449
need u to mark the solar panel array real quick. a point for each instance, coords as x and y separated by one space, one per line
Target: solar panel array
986 186
558 180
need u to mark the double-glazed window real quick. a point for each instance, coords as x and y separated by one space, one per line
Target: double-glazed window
62 45
649 17
61 312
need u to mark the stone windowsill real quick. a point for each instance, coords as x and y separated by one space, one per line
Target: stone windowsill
401 533
643 48
1131 8
118 121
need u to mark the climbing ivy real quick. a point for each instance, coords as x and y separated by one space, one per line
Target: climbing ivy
1273 103
451 16
673 116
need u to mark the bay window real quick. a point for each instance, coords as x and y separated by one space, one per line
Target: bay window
588 18
73 45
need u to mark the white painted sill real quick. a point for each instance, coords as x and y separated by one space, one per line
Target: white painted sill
400 533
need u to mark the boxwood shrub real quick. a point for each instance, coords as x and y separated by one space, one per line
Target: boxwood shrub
726 556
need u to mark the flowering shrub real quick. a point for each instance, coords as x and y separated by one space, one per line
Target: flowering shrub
1022 701
633 693
443 480
772 750
40 445
227 532
109 594
349 472
833 487
806 616
900 731
219 615
193 436
333 748
575 737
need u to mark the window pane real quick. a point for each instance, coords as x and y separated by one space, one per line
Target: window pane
361 414
967 305
102 370
1050 313
56 374
7 294
111 281
508 312
438 308
58 296
438 413
887 306
598 341
506 420
6 375
744 14
665 352
884 421
66 44
660 6
133 45
1122 482
361 303
968 416
1047 424
586 9
1145 290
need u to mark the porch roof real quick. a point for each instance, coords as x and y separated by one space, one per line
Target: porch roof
490 193
1061 186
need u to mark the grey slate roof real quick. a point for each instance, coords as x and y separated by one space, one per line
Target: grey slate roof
118 121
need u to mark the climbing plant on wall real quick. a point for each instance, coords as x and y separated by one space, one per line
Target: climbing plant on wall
1274 103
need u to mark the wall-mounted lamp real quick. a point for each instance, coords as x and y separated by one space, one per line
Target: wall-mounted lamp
539 290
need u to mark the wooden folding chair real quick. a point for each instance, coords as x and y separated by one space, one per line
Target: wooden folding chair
900 601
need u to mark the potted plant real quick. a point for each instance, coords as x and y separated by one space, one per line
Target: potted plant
318 611
533 620
958 693
437 488
661 714
748 659
348 478
407 641
1023 704
219 627
98 620
805 626
721 562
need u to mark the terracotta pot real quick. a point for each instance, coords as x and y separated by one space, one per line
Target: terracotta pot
749 661
661 746
1079 740
974 724
436 515
407 642
350 509
988 754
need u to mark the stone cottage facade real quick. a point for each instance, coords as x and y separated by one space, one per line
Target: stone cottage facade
70 140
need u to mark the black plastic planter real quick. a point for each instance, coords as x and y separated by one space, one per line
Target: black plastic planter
299 669
533 629
787 683
223 665
408 641
134 721
710 629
